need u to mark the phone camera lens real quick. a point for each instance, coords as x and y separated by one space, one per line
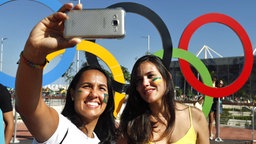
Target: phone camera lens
115 22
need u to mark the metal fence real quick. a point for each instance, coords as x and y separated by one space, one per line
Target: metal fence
239 115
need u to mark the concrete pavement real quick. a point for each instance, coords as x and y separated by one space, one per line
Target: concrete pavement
229 135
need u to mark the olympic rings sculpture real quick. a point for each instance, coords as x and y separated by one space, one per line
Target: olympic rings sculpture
183 55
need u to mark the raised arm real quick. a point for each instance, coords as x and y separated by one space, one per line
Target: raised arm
46 37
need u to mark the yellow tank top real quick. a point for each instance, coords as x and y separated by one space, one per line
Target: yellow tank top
189 137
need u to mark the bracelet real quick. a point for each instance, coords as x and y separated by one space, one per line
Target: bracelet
31 64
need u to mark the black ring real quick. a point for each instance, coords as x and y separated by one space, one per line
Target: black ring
156 21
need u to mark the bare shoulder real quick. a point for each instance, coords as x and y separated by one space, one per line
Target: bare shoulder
200 125
181 106
199 121
197 114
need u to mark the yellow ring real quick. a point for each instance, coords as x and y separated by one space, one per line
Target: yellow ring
54 54
110 61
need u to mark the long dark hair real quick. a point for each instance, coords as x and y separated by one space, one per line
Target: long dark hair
135 122
105 128
218 82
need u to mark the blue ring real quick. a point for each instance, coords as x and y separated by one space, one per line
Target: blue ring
61 67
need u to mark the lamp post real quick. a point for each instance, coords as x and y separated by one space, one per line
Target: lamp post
2 49
79 1
148 48
209 50
77 61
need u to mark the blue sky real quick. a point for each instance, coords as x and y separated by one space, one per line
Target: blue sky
19 17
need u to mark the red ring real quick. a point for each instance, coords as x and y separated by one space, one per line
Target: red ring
248 63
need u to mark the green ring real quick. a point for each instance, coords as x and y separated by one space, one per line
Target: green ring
199 66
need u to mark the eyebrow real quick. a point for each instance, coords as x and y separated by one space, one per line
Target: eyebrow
89 83
147 73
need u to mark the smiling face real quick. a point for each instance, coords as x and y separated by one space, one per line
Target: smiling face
90 95
150 83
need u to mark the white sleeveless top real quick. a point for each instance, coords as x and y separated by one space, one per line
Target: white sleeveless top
68 133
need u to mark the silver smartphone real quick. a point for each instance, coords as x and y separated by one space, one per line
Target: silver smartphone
95 23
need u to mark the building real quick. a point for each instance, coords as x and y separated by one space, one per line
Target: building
227 69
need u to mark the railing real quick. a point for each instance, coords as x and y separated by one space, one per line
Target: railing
253 120
239 115
54 100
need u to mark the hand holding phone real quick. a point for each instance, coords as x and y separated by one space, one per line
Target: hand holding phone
95 23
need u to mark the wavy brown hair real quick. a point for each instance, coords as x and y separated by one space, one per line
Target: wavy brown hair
135 124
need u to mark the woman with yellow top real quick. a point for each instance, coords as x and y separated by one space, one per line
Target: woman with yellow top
151 114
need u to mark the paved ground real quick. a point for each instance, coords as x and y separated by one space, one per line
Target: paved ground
229 135
23 136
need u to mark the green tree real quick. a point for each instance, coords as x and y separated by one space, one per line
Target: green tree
126 73
69 74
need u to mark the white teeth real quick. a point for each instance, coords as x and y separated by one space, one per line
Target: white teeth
93 103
